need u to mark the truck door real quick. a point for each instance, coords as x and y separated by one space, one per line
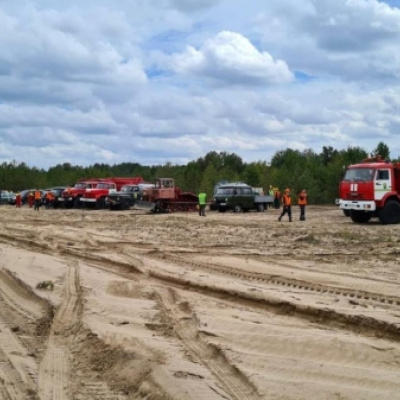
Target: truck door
382 183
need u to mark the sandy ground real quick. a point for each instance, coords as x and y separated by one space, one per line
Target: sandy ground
180 307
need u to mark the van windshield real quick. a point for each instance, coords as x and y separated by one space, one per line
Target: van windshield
359 174
224 191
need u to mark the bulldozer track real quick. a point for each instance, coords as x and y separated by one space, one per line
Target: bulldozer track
264 278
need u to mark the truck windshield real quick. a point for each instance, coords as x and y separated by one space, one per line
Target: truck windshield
128 189
80 185
103 186
359 174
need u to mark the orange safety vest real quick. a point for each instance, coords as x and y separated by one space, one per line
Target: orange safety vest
49 196
38 195
302 199
286 200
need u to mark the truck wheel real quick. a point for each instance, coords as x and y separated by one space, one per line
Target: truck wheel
100 204
360 217
260 207
346 213
126 204
77 203
238 208
390 214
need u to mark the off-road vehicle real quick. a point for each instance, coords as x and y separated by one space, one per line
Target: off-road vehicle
239 197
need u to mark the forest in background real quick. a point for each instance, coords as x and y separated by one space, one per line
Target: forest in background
319 173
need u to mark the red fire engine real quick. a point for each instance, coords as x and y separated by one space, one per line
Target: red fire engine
371 189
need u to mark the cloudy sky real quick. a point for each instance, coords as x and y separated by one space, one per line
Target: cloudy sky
161 81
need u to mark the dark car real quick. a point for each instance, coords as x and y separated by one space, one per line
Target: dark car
7 197
56 193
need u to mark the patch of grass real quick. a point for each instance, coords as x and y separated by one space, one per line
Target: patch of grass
310 238
347 235
45 285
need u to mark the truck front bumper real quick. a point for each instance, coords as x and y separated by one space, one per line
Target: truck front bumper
88 200
357 205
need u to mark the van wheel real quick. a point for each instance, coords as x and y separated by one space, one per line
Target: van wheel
260 207
238 208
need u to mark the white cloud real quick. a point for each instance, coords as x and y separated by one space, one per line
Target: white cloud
232 59
102 81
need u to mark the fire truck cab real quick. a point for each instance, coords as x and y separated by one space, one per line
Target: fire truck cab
371 189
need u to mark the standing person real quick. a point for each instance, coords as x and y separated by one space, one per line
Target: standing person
277 198
287 205
271 192
38 199
49 199
31 199
202 203
302 202
18 200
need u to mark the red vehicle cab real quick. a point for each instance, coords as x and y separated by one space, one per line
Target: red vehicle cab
96 196
371 189
70 197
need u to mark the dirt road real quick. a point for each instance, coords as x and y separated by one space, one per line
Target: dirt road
127 305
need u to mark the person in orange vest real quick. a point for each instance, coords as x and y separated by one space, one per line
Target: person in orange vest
49 199
38 199
18 200
31 199
287 205
302 202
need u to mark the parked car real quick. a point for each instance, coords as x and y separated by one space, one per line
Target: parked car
57 194
7 197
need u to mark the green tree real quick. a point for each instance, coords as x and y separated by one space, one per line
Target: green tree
382 150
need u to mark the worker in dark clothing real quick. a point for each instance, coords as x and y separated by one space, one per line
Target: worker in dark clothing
302 202
277 198
287 205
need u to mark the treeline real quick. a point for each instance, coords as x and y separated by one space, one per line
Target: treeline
318 173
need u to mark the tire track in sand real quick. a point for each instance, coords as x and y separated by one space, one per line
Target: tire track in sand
231 380
54 369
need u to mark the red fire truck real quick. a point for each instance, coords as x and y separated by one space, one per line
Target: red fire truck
96 197
70 196
371 189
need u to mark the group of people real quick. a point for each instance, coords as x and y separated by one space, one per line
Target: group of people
35 199
302 201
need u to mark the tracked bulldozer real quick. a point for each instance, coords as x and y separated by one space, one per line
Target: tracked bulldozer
166 197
